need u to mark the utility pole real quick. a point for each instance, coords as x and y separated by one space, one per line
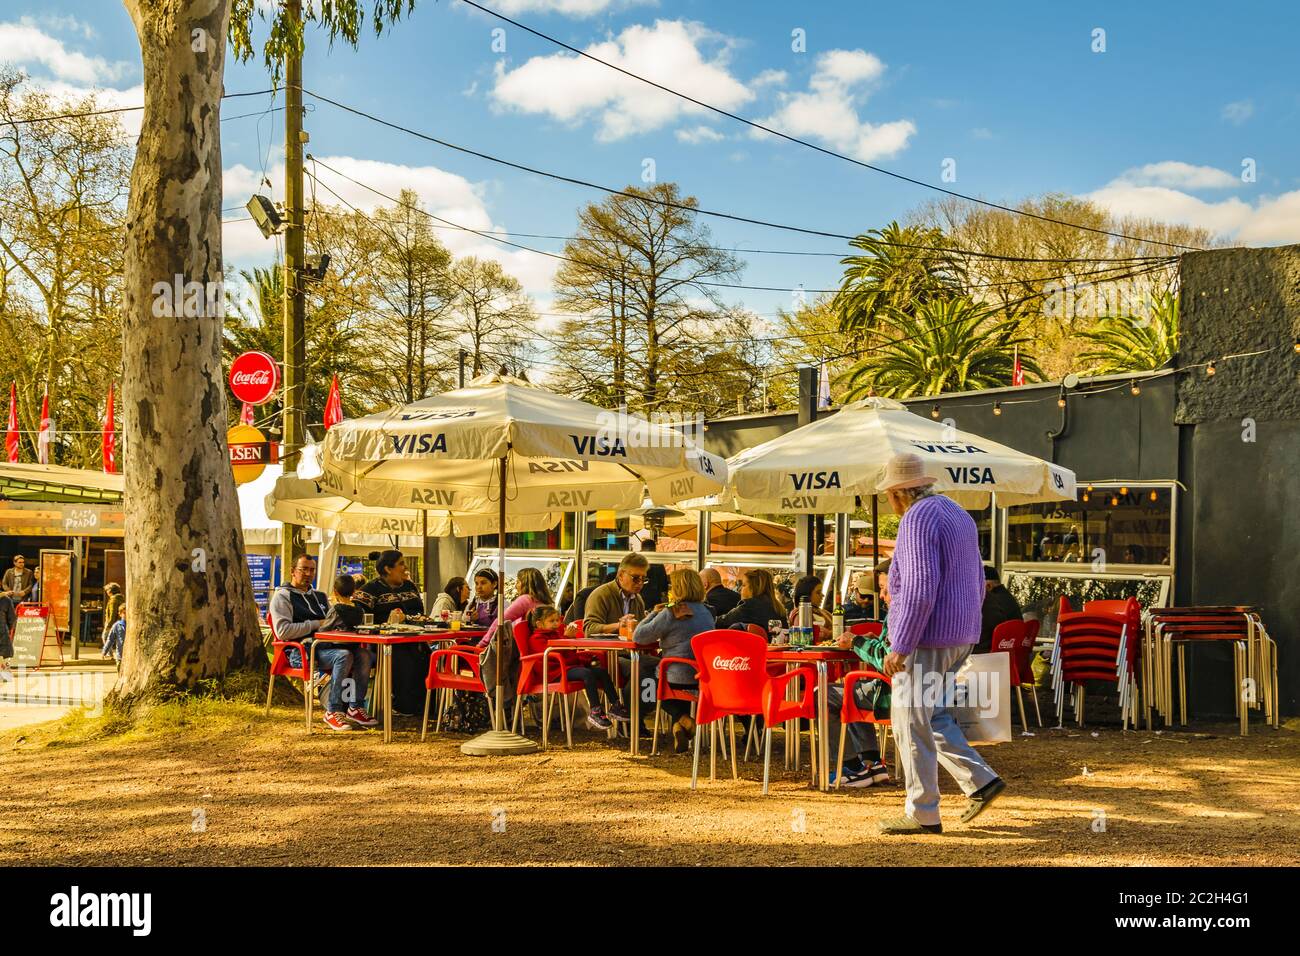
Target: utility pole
292 539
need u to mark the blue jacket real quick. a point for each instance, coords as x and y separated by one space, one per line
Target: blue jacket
674 636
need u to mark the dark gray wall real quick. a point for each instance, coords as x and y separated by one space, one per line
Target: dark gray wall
1244 546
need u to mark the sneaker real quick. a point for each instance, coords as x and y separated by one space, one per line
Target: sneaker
980 800
879 772
596 720
906 826
859 778
618 712
334 721
359 717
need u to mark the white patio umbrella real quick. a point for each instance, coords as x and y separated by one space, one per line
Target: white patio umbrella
836 463
500 445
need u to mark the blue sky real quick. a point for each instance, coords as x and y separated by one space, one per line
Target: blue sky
1158 124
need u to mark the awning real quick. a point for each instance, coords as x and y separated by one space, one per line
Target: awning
28 481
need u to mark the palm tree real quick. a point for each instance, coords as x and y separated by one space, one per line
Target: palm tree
901 269
1124 343
949 345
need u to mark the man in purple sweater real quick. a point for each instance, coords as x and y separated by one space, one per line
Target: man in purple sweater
937 586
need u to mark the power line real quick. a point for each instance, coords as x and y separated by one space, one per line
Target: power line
684 207
821 149
697 282
123 109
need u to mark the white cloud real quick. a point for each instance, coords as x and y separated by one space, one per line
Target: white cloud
1238 112
446 195
829 109
769 78
570 88
699 134
981 132
1178 175
25 43
1271 220
568 8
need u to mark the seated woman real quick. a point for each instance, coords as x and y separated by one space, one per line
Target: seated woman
673 625
759 602
545 624
809 588
454 597
390 597
530 592
482 610
865 768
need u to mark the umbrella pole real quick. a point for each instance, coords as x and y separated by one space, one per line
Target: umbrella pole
875 551
500 742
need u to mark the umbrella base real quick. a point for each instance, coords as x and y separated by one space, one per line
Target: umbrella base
498 743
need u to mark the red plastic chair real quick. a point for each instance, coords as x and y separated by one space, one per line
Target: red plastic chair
531 681
851 713
734 683
280 667
1022 665
1009 637
447 673
663 692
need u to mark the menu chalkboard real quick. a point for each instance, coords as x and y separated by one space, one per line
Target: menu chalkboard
30 634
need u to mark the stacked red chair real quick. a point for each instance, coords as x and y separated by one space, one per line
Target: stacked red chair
531 681
1093 645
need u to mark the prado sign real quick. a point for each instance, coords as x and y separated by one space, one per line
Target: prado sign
254 377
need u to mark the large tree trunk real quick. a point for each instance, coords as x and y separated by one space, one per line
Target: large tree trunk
191 610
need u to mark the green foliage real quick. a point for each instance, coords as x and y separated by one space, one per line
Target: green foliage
1126 343
902 268
341 19
948 345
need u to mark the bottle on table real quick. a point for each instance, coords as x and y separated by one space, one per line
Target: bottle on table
837 621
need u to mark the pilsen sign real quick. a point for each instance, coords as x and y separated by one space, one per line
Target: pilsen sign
250 453
254 377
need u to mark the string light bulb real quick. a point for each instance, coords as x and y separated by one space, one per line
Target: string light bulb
1085 496
1114 502
1135 388
1154 496
1123 491
934 412
1209 369
1297 345
997 408
1060 399
1089 486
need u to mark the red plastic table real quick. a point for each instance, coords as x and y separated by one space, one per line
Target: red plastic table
823 657
383 686
612 646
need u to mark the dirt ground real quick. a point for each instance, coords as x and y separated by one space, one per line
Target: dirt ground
221 784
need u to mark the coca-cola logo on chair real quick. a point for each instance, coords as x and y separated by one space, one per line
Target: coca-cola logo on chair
254 377
736 663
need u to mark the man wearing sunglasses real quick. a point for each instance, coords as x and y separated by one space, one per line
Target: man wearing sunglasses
617 601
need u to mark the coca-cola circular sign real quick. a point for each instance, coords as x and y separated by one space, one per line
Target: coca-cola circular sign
254 377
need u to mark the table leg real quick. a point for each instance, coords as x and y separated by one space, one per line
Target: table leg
611 667
311 682
546 713
388 694
634 731
823 720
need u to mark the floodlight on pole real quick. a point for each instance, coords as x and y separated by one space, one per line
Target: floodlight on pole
265 215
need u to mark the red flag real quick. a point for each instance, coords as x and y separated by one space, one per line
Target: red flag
246 414
46 434
1017 373
109 445
333 405
11 436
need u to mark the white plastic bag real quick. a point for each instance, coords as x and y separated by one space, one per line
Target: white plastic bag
983 708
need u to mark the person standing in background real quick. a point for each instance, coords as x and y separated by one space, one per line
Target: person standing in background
18 581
